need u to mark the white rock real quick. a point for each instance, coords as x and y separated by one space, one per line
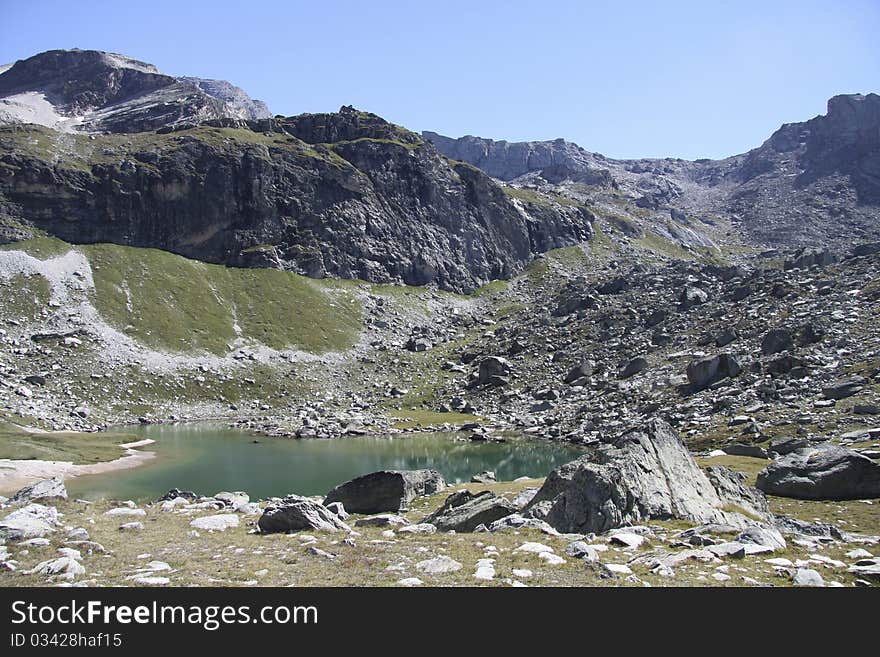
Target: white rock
807 577
70 552
551 559
828 561
522 573
485 569
629 540
779 562
420 528
859 553
410 581
619 569
131 527
158 566
220 522
152 581
63 566
438 565
125 511
535 548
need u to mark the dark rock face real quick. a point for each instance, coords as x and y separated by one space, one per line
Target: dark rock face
824 472
375 209
386 490
646 473
464 511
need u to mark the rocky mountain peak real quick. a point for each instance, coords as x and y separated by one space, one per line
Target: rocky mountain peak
96 91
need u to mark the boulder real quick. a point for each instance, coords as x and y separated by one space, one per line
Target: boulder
776 340
175 493
692 296
491 368
809 257
632 367
485 477
646 473
705 372
463 511
787 445
438 565
382 520
843 388
743 449
31 521
41 490
823 472
386 490
234 500
295 513
220 522
582 370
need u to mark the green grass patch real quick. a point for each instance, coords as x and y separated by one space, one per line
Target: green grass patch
78 448
42 248
24 297
423 418
169 302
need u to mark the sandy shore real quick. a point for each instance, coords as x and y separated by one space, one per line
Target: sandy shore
18 474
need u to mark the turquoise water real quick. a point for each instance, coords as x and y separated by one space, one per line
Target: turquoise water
208 458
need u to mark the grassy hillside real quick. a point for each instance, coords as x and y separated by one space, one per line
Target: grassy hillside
175 304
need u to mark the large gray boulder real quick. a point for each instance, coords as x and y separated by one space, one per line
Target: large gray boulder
31 521
705 372
295 513
41 490
463 511
647 473
822 472
386 490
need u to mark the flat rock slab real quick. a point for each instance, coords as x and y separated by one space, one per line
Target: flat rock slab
125 511
438 565
464 511
382 520
218 523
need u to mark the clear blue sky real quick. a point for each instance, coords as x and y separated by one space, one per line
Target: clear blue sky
628 79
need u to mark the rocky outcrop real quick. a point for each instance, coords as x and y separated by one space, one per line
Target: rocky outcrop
95 91
386 490
31 521
464 511
41 490
823 472
295 513
815 182
645 473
